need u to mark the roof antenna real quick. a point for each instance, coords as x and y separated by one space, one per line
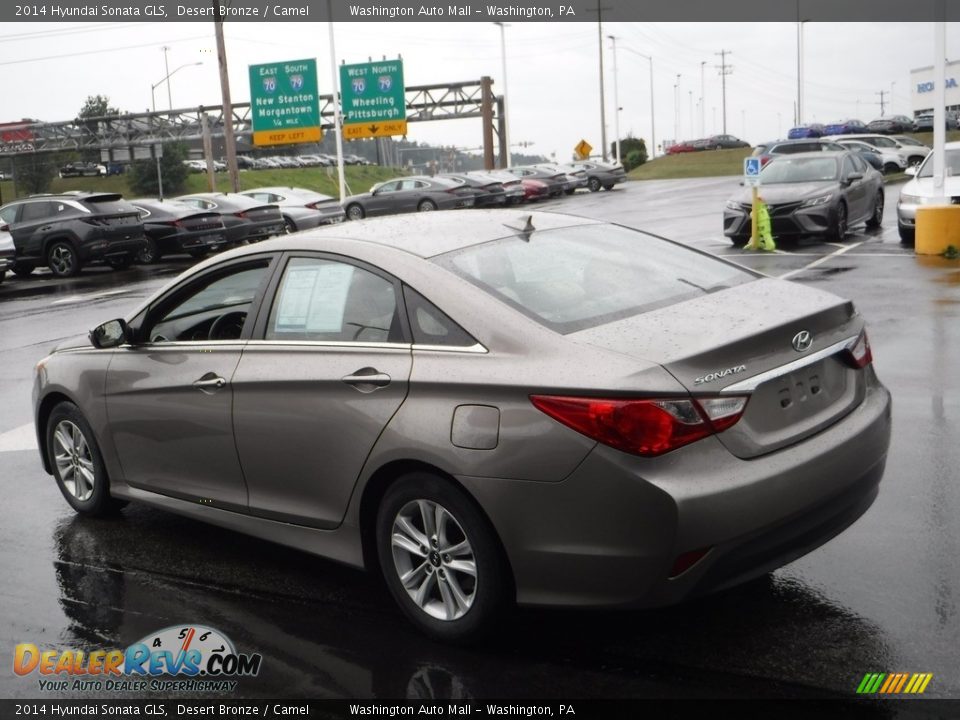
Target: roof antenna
525 229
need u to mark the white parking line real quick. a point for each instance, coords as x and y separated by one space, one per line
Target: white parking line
88 296
20 438
820 261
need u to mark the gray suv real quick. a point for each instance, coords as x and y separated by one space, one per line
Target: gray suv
64 232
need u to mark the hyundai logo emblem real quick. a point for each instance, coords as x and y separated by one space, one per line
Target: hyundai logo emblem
802 341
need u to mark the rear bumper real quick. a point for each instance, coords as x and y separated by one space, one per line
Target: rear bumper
103 248
609 534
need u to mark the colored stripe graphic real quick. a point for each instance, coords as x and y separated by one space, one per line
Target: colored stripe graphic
894 683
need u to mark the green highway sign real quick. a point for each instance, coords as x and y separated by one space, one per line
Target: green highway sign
373 99
284 103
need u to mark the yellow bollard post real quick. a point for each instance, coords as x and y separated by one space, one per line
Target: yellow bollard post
754 213
938 227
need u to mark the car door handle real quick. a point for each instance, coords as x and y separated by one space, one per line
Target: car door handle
367 379
209 382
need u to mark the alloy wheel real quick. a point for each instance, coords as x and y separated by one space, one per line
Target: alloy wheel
74 460
434 559
62 260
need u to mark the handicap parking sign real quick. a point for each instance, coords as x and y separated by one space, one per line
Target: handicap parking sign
751 170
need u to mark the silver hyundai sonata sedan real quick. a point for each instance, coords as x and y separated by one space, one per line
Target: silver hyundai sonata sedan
507 408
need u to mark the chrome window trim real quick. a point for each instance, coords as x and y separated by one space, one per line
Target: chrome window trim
331 343
473 349
754 382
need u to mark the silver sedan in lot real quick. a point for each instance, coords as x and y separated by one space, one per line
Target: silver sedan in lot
517 408
302 209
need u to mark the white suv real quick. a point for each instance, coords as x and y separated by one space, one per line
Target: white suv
911 154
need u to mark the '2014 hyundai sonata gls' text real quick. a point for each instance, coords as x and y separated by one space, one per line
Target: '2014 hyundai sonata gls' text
523 408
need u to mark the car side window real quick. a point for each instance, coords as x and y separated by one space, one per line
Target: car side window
329 301
36 211
430 325
848 167
389 187
9 214
214 307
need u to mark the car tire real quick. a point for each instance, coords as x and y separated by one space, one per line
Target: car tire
594 184
77 463
839 231
890 168
907 235
149 253
120 262
23 269
719 147
739 240
198 253
462 594
289 226
426 206
62 259
876 217
355 212
3 274
608 186
914 160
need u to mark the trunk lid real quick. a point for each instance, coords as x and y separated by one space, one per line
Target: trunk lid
740 340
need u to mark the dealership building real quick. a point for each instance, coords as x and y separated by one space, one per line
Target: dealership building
921 88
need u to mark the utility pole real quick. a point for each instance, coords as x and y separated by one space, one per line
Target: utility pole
616 99
882 103
703 115
504 157
603 111
229 141
676 111
724 71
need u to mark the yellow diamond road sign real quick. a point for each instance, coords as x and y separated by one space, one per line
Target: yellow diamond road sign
375 129
583 149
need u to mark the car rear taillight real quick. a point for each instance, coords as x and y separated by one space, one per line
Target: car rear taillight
174 223
647 427
241 214
859 354
4 228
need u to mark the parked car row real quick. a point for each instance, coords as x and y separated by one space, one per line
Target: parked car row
887 153
889 125
448 191
714 142
69 230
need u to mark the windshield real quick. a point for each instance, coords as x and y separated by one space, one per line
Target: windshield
570 279
952 166
797 170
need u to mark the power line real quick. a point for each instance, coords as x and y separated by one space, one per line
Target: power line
103 50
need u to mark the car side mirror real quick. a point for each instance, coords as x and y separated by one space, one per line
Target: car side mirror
110 334
912 170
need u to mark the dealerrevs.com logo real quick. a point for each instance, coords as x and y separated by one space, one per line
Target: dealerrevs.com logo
177 658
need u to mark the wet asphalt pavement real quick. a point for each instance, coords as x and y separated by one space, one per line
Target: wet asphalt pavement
882 597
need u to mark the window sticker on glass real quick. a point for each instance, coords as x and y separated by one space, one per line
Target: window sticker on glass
314 297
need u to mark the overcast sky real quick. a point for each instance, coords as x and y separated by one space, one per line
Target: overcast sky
49 69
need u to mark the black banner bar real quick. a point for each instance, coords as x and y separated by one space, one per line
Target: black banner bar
732 11
660 709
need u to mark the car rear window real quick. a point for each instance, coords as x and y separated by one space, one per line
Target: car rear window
570 279
110 205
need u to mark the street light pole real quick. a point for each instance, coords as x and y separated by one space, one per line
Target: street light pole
166 79
703 116
799 69
603 110
506 105
166 69
676 110
616 98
